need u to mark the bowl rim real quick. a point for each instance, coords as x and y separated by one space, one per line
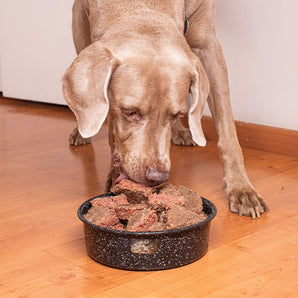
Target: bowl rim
146 233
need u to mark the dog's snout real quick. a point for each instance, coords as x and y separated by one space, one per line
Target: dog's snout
155 176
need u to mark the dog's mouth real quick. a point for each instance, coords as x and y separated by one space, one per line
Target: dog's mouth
150 177
117 164
121 177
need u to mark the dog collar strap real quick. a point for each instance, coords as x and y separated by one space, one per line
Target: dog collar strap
186 23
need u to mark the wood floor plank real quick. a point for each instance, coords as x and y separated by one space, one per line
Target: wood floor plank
47 276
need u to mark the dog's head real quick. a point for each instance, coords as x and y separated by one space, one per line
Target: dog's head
143 95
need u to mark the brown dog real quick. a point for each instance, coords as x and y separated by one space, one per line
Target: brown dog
136 66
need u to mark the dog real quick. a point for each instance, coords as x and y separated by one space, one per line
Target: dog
137 63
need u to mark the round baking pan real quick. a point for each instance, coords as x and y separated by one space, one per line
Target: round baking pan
147 250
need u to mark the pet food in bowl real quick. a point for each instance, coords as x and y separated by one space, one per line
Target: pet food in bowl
140 228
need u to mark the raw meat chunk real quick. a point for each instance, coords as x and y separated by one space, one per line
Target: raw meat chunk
136 193
139 208
193 201
102 216
165 200
111 202
142 220
118 226
178 217
158 226
124 212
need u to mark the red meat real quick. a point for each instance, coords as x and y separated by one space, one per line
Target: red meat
110 202
165 200
136 193
102 216
124 212
178 217
193 201
142 220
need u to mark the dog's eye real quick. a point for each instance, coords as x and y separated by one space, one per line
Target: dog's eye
133 114
177 115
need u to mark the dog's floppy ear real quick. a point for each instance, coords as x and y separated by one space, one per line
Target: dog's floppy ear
85 86
199 93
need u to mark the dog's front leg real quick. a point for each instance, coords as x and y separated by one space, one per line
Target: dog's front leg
76 139
181 135
243 198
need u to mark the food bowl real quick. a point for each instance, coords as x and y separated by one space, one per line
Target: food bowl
147 250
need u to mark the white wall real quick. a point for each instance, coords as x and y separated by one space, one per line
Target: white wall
36 48
259 39
260 43
0 74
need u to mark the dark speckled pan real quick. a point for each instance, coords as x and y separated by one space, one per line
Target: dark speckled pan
147 250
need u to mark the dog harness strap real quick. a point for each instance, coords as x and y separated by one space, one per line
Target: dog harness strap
186 23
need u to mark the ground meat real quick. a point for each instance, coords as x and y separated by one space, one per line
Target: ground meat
140 208
136 193
193 201
124 212
142 220
168 189
202 215
111 202
102 216
178 217
118 226
158 226
162 216
165 200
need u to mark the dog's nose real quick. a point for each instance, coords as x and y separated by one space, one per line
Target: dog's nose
155 176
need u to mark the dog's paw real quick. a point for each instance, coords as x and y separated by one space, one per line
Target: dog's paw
247 202
75 139
182 137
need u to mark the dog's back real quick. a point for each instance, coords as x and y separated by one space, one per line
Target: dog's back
143 17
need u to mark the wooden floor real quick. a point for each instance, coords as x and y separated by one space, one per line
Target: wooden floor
43 181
